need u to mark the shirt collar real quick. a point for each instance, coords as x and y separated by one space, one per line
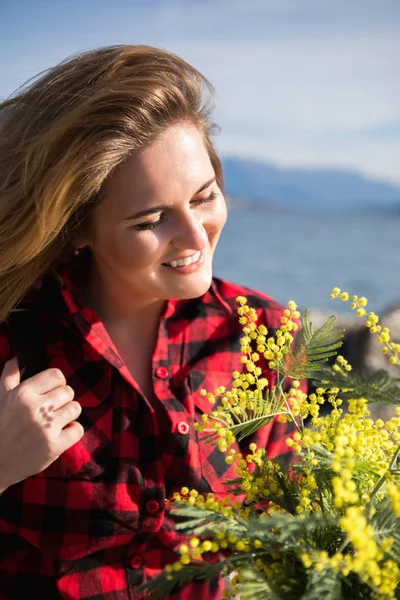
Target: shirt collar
220 300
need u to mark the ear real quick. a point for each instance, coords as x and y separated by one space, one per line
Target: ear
81 245
81 241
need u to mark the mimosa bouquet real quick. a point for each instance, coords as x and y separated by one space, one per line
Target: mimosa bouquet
327 527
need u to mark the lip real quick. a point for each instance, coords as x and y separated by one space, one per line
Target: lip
187 269
183 257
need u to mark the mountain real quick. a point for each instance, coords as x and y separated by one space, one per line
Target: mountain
260 185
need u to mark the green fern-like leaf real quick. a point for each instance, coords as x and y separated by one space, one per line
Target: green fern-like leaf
249 426
376 387
254 585
165 583
315 347
324 463
283 533
288 500
386 524
278 532
323 584
199 521
250 420
323 456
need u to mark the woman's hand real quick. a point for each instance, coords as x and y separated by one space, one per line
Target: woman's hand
37 422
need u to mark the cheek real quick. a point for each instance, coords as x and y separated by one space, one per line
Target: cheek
218 217
140 249
129 249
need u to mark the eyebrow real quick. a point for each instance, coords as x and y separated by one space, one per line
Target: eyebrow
161 207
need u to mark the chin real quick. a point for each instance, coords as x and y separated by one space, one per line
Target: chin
194 289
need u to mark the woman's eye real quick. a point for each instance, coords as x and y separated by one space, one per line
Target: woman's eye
150 225
153 224
208 198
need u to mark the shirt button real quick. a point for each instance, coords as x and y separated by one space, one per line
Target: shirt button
183 428
136 561
152 506
162 372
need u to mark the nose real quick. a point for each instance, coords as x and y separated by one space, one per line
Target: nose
191 234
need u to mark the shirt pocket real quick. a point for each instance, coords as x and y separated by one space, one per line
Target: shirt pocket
214 469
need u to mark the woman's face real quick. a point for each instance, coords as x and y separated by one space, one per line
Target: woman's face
161 206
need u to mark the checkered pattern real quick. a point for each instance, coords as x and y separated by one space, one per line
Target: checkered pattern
95 524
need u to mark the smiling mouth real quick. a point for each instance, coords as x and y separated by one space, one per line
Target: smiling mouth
185 262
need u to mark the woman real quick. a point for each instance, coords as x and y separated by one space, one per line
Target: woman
111 207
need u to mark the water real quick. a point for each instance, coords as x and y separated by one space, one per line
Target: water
302 257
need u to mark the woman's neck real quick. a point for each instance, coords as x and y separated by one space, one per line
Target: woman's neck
113 303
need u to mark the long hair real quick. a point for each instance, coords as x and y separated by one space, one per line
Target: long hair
64 133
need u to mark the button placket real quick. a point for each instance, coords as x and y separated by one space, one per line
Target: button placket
136 561
152 506
162 372
183 428
152 510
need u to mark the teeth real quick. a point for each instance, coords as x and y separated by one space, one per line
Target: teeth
184 262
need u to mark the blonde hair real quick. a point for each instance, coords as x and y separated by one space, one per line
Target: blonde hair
61 137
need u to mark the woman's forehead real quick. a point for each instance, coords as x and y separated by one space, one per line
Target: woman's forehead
174 165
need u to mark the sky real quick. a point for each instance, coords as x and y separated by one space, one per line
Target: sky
303 83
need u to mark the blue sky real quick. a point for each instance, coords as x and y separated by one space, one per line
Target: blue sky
299 82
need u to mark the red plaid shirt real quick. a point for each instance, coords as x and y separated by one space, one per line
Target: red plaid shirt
95 524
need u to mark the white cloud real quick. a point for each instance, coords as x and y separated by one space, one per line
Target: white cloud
307 85
299 102
294 79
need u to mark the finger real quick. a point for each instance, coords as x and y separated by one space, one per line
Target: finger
11 376
57 398
67 413
45 381
70 435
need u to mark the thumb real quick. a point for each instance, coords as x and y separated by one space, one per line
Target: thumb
11 376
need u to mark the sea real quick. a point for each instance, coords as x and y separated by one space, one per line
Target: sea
302 256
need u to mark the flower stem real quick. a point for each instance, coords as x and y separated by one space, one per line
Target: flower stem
289 410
